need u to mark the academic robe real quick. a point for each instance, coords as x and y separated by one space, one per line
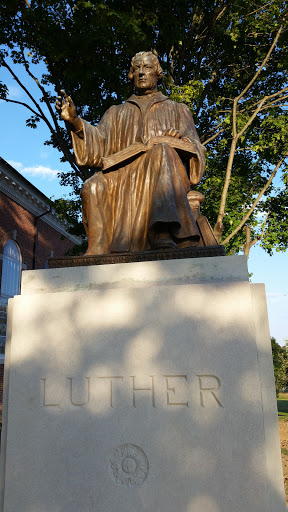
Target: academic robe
122 207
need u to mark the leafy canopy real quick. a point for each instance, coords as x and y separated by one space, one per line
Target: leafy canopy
226 60
280 363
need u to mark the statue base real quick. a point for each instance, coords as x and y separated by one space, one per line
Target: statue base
145 387
130 257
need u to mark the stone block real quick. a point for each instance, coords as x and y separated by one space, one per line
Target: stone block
150 273
145 393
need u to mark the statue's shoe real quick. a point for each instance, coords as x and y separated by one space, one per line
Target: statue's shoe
164 243
192 241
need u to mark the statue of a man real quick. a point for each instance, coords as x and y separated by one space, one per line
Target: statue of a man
147 154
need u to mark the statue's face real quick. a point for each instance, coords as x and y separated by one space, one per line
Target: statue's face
145 76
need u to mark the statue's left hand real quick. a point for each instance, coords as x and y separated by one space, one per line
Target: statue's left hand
172 132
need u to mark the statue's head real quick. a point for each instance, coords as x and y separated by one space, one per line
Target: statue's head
145 72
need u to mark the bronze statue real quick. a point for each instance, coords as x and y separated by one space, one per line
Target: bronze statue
147 154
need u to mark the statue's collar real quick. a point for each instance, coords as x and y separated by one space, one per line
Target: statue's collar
148 100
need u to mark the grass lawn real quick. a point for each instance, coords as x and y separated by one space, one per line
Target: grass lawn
282 403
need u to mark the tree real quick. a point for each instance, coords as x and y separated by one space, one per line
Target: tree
248 99
280 363
227 61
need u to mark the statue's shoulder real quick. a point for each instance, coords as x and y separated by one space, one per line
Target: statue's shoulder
165 100
112 109
176 104
116 109
181 109
112 112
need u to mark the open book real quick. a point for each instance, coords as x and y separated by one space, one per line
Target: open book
183 147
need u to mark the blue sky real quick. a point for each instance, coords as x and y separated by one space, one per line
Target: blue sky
23 148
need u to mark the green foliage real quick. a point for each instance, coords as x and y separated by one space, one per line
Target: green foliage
189 93
209 50
69 209
282 405
280 363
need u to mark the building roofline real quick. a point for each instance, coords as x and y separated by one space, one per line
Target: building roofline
20 190
25 182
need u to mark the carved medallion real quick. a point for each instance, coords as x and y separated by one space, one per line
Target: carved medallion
129 465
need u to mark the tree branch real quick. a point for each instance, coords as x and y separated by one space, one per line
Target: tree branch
247 216
216 127
213 137
235 136
219 224
55 133
260 8
251 119
266 98
257 110
43 92
4 63
249 244
24 105
249 148
263 63
234 117
264 226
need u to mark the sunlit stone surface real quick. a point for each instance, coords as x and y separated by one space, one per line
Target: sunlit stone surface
141 387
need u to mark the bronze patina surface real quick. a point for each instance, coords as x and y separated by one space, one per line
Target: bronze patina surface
153 255
147 154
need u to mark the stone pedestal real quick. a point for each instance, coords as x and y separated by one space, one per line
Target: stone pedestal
141 387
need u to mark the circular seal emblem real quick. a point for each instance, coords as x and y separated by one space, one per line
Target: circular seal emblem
129 465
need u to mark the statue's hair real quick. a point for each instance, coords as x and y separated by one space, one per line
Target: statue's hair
155 62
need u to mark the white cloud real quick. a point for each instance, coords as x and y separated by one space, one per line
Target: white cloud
276 294
276 297
40 170
44 155
15 92
36 170
17 165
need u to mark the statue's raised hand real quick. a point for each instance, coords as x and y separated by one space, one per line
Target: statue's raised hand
67 110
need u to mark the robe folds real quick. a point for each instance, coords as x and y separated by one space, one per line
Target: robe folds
122 206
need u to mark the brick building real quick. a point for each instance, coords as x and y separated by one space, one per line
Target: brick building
30 233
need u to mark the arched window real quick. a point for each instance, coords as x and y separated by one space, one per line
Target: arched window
11 271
